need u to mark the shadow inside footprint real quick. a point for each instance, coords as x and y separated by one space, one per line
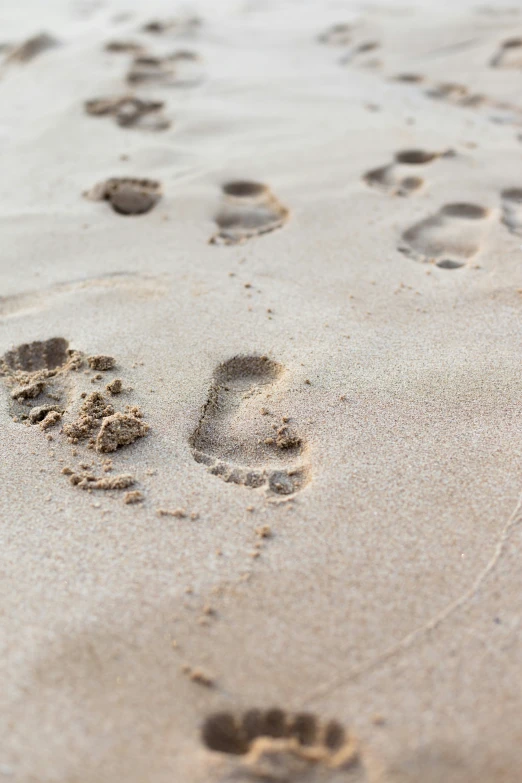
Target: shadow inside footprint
449 238
236 436
127 195
248 209
276 745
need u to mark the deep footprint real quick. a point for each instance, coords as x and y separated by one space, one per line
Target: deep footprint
127 196
512 210
449 239
280 746
238 436
248 210
401 178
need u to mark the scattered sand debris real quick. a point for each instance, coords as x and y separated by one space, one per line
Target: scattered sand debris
101 362
264 531
179 513
199 675
89 481
28 392
133 497
67 471
120 429
115 386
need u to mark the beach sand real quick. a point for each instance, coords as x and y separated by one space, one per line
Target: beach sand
286 544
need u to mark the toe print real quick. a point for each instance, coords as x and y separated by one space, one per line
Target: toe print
240 438
276 745
127 196
401 177
512 210
449 238
248 210
509 55
129 112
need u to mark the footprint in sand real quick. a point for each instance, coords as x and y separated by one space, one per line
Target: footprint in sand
248 209
400 178
30 49
181 26
239 436
262 745
129 112
127 196
449 239
509 54
512 210
180 69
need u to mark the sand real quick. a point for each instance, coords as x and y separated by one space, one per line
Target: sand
300 291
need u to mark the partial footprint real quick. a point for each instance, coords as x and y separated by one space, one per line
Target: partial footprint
273 745
400 178
449 239
509 54
180 69
38 375
512 210
127 196
240 437
130 112
248 210
181 26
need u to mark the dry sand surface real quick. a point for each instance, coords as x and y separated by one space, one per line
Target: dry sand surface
260 398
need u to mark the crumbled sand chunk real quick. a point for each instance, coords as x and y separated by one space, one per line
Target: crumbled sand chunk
38 413
115 386
133 497
28 392
101 362
94 408
52 418
120 429
202 677
264 531
89 481
179 513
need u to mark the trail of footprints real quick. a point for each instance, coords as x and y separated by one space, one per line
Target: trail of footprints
274 745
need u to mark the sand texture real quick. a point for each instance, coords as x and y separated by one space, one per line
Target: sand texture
260 391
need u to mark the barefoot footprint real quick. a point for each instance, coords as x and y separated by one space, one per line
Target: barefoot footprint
512 210
279 746
248 210
239 437
449 239
180 69
401 178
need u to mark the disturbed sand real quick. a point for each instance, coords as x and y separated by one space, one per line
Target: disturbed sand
260 396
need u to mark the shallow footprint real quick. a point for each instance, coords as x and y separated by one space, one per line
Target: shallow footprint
280 746
240 439
337 35
248 210
127 196
449 239
512 210
181 69
401 178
